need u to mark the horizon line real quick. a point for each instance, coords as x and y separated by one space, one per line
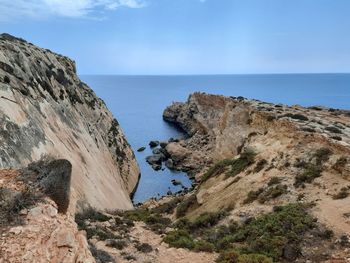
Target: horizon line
215 74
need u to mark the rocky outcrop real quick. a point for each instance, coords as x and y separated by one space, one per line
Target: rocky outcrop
46 110
33 226
220 127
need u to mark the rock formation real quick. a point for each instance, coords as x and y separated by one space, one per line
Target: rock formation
33 224
46 110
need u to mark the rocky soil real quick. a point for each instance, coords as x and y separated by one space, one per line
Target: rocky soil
46 110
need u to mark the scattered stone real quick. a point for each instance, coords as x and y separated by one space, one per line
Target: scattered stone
153 144
176 182
163 144
141 149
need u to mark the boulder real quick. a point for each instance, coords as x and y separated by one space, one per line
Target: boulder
141 149
176 151
153 144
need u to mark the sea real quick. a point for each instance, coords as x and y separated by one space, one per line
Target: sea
138 103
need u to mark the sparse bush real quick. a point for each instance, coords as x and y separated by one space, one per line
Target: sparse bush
179 239
310 173
154 221
116 243
100 255
333 129
343 193
260 165
272 193
322 155
100 232
12 202
144 248
239 165
207 220
269 234
253 195
296 116
183 207
232 256
168 207
274 180
217 169
340 164
204 246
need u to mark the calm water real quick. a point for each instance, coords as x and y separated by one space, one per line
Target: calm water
138 103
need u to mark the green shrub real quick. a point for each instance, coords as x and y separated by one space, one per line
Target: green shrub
91 214
322 155
270 233
274 180
118 244
217 169
168 207
244 161
232 256
272 193
207 220
179 239
183 207
100 255
154 221
144 248
237 165
203 246
253 195
100 232
310 173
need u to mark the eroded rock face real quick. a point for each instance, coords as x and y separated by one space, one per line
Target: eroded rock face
32 227
46 110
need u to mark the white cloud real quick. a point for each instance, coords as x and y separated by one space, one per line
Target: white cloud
15 9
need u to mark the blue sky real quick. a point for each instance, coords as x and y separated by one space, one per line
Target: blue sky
187 36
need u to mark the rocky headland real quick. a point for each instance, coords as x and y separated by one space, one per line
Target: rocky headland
263 166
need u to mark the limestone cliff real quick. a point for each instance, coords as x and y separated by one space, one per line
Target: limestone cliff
46 110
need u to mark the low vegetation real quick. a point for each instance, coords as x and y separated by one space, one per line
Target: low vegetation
262 239
274 180
312 169
184 206
310 172
233 256
272 193
343 193
232 167
12 202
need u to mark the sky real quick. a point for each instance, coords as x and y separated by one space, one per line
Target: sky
151 37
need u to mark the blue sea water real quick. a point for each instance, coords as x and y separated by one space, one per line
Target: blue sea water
138 103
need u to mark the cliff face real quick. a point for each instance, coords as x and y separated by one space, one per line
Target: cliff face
46 110
250 156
